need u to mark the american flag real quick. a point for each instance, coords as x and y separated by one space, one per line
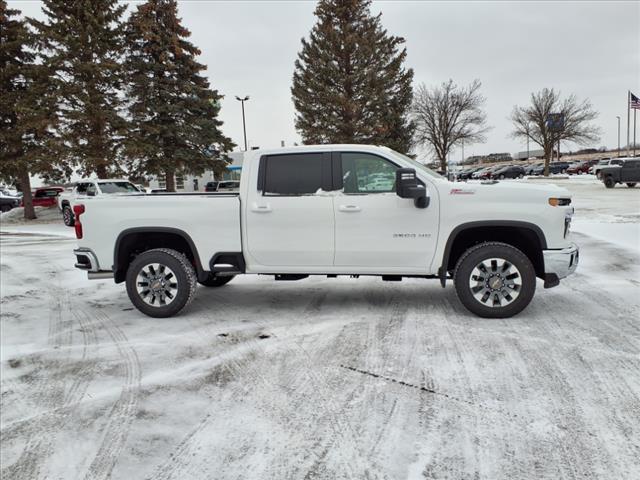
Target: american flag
634 102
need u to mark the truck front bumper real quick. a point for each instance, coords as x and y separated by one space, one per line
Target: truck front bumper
559 264
86 260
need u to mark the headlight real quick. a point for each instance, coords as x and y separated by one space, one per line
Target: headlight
559 202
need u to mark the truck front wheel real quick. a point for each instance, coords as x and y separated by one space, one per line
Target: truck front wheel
494 280
609 182
161 282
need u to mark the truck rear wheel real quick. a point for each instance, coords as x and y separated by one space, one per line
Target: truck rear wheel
214 281
67 216
161 282
609 182
631 184
495 280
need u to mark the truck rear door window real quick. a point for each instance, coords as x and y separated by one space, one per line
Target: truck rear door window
294 174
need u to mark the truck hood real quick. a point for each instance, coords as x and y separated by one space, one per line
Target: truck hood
514 191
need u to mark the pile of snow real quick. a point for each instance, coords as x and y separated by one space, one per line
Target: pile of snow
43 214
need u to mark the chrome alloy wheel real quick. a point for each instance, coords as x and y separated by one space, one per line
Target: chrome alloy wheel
157 284
495 282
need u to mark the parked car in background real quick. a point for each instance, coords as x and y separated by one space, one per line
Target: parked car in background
509 171
488 173
608 162
476 175
8 202
45 196
211 187
528 169
229 186
93 188
579 168
467 172
628 172
554 168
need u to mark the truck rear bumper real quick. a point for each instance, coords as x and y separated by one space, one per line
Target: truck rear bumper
559 264
86 260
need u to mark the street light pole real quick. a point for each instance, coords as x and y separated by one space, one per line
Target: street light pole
618 117
244 125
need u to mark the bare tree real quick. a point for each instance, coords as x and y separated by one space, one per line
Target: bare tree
449 115
532 122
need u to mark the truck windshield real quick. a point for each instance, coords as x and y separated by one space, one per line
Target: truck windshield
118 187
417 165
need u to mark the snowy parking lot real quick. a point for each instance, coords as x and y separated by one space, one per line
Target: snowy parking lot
324 378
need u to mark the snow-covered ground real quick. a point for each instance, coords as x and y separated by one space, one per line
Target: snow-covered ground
324 378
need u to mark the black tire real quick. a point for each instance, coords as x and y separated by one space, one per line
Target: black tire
5 208
517 260
67 216
213 281
631 184
502 177
180 292
609 182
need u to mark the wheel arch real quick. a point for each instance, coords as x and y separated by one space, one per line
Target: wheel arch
133 241
526 236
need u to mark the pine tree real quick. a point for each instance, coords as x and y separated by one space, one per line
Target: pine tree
28 108
349 83
83 44
173 110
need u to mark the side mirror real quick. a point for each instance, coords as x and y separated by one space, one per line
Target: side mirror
407 186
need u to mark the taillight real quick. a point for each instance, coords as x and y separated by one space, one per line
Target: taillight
77 211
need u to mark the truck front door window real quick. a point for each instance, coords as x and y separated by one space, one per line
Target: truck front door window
364 173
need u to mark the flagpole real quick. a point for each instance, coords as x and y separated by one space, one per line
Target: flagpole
628 120
634 131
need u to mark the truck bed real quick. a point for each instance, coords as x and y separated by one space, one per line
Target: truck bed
210 220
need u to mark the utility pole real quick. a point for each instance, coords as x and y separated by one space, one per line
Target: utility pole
618 117
244 125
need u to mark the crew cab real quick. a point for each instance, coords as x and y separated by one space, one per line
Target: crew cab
92 188
333 210
607 162
628 172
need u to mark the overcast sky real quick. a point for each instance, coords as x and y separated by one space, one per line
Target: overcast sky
588 48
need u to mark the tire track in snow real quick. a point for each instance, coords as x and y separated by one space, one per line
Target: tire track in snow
182 463
49 393
121 415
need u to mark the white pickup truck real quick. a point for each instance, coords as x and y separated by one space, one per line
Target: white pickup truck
333 210
91 188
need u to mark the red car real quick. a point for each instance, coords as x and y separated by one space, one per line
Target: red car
45 196
579 168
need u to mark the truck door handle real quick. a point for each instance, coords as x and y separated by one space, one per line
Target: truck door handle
349 208
260 208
